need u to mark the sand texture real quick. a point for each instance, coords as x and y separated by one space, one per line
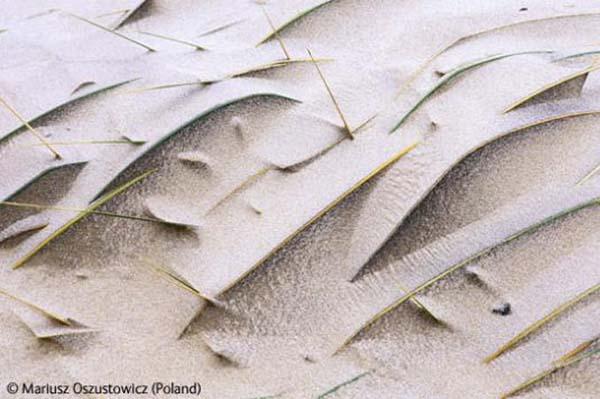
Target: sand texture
182 200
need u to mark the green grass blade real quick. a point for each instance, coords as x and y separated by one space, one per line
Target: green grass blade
577 55
343 384
452 75
202 115
96 204
67 103
463 263
541 322
295 18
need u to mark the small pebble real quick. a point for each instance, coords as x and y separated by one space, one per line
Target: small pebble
502 310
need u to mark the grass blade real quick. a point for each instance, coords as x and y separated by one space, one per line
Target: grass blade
166 86
587 177
452 75
92 142
104 28
541 322
465 262
550 86
95 205
332 96
577 55
54 316
276 33
174 278
292 20
109 214
72 101
175 40
343 384
30 128
250 180
198 117
379 169
572 357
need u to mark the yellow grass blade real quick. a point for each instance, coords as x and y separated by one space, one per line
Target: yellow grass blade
569 359
109 214
96 204
550 86
332 96
175 40
31 129
276 34
47 313
462 264
392 160
176 279
541 322
587 177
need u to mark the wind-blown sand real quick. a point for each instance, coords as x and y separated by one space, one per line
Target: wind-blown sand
299 236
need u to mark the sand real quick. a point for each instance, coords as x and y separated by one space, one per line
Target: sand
285 237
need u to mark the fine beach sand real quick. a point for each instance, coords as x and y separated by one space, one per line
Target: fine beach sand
271 253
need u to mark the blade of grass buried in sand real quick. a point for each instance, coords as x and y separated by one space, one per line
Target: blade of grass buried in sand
541 322
587 177
58 107
550 86
91 142
216 107
250 180
130 14
30 128
383 166
332 96
419 305
175 278
577 55
276 33
463 263
109 214
266 67
104 28
220 28
343 384
574 356
47 313
471 36
452 75
295 18
108 14
174 39
163 87
96 204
